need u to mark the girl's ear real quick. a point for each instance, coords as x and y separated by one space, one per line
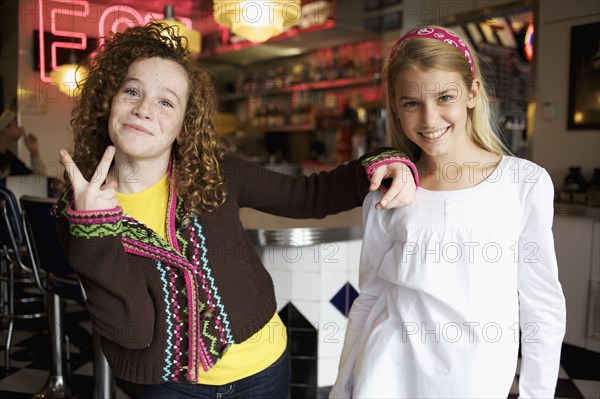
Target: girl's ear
473 93
180 137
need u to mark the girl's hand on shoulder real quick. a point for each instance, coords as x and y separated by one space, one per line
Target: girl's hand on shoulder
92 195
403 188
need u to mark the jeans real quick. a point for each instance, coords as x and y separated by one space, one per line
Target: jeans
271 383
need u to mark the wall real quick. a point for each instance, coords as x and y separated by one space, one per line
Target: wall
553 146
8 50
576 241
9 57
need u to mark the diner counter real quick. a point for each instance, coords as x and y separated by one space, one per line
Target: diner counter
265 229
314 266
576 210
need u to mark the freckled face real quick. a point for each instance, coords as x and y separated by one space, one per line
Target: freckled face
147 113
432 108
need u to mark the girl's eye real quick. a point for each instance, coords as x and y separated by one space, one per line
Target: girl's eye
446 98
409 104
166 103
130 92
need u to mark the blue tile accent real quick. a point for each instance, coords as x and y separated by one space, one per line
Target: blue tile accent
344 298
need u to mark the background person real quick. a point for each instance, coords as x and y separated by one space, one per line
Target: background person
11 132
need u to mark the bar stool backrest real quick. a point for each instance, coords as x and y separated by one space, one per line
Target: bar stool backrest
40 231
11 234
38 210
15 304
12 239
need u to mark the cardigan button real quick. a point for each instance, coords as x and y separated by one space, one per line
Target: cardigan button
185 223
207 315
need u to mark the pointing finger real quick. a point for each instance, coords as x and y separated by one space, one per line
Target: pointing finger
75 176
102 169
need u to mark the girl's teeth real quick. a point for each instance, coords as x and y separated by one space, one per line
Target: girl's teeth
433 135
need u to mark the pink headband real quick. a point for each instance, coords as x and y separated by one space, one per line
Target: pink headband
441 35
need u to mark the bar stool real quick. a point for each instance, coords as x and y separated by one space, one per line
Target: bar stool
15 276
61 282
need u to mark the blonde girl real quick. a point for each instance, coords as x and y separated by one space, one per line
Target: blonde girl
453 284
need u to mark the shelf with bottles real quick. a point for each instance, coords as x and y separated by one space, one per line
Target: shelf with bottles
324 110
272 118
281 129
340 67
274 90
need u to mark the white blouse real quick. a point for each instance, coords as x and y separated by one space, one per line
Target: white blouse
449 287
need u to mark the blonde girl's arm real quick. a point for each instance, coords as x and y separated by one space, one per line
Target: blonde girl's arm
375 246
541 300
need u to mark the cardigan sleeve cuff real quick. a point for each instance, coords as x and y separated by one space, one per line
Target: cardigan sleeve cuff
96 223
387 157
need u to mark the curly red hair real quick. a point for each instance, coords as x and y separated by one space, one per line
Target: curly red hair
197 153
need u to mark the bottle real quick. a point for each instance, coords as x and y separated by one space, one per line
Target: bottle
271 115
317 72
278 79
593 193
575 185
343 143
262 117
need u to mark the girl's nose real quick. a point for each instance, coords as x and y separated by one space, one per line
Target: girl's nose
429 116
142 109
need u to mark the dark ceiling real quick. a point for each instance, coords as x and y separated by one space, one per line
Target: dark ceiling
200 11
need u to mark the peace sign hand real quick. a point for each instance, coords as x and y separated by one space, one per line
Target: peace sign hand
92 195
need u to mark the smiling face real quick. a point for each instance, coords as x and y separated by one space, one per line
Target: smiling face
147 113
432 108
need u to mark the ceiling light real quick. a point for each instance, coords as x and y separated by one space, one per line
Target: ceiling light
192 36
67 78
256 20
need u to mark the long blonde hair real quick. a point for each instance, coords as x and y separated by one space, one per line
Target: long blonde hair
426 53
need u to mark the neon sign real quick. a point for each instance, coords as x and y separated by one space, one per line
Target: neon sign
528 43
112 19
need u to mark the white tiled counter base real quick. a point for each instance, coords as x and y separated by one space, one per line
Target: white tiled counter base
309 277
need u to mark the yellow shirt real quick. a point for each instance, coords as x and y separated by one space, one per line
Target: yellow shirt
240 360
148 206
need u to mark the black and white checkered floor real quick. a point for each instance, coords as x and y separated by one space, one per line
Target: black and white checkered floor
30 361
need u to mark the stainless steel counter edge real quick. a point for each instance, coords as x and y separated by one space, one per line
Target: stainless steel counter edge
304 236
576 210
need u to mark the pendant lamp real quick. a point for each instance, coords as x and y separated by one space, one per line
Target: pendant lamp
67 76
257 20
192 36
